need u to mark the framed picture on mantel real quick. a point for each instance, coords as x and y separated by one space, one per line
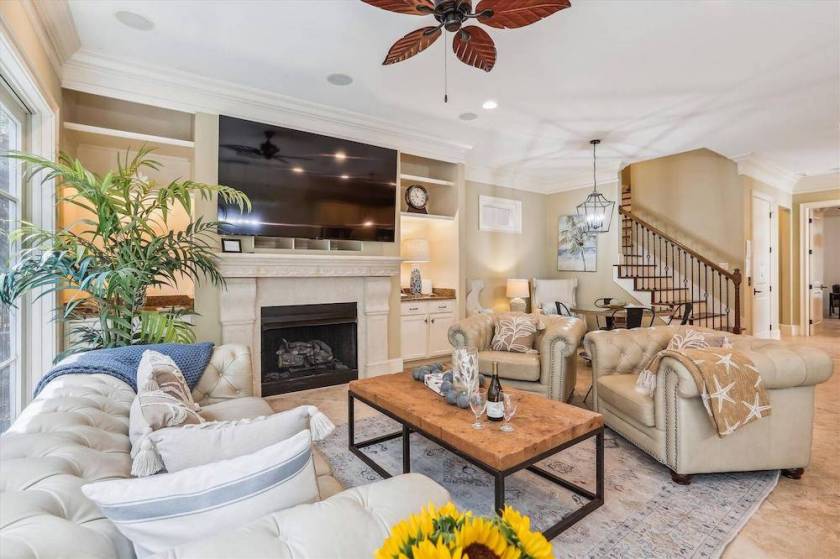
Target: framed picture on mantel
577 249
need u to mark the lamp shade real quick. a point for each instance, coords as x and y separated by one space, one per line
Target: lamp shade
415 250
517 288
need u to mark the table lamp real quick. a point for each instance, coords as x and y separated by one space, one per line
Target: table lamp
415 251
517 292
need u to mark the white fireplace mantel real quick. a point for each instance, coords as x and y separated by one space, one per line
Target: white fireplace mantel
261 280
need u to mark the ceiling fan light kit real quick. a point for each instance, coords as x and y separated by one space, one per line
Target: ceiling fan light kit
472 44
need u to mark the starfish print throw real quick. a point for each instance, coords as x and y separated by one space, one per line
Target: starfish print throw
730 386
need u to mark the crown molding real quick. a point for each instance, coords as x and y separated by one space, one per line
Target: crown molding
761 169
500 176
97 73
818 183
55 28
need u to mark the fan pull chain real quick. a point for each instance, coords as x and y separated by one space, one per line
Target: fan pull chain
445 73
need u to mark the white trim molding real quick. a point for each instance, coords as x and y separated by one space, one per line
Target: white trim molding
97 73
272 265
818 183
56 30
40 339
804 268
761 169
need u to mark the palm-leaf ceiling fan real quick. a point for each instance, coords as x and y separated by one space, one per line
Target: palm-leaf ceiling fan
472 44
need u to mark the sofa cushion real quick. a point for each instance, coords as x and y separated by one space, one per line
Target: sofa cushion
619 391
159 512
512 366
237 408
514 331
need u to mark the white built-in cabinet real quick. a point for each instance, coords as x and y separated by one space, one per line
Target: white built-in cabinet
425 328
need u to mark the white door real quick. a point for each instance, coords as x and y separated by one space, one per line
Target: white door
439 334
762 268
415 336
815 268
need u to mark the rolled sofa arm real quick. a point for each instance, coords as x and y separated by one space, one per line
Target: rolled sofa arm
475 331
557 344
227 376
353 523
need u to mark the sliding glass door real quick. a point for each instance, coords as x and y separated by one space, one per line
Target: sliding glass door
12 120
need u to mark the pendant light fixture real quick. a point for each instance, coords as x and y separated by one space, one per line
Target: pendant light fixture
596 211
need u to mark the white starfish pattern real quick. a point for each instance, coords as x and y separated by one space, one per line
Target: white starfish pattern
721 394
730 428
757 382
755 409
705 397
726 361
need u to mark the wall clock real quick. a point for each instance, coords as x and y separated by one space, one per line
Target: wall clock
416 198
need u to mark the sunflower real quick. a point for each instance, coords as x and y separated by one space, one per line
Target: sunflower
429 524
533 544
481 539
428 550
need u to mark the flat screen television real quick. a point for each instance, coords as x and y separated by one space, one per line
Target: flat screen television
305 185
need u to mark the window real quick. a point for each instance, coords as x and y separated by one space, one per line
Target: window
12 119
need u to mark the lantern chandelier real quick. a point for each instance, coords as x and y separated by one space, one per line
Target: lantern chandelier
596 211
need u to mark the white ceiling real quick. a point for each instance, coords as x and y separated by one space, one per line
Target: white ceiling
650 78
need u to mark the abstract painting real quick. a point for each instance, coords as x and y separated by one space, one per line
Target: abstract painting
577 250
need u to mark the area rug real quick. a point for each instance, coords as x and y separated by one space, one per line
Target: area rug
645 515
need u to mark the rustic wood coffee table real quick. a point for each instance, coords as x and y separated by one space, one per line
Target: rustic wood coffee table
543 427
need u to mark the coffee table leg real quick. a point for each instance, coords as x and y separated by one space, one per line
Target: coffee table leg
406 449
500 492
351 404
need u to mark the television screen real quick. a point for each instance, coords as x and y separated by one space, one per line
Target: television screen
306 185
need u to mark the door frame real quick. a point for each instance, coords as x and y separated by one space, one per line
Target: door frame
804 268
775 331
40 335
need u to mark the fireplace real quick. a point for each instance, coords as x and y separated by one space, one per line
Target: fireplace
307 346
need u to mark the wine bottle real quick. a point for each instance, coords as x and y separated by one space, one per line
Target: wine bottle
495 398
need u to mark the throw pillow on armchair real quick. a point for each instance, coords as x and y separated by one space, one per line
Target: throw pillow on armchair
515 331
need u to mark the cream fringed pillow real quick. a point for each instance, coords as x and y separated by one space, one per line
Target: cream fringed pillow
515 331
163 400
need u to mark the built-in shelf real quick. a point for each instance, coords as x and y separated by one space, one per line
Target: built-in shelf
427 180
126 135
427 216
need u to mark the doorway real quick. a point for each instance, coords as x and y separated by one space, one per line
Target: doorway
820 298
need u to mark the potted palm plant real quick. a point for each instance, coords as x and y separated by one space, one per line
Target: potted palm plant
107 261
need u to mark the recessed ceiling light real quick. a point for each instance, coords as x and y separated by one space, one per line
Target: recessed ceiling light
297 170
489 105
134 20
339 79
468 116
340 155
345 177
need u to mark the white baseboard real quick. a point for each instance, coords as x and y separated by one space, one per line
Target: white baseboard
384 367
789 329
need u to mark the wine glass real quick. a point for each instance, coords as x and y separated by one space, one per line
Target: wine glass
478 403
510 406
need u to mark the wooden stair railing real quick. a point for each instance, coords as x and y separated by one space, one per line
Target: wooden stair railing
676 274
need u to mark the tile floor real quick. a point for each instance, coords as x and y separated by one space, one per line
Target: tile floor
799 519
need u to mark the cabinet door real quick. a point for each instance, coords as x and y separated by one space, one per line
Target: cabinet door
439 324
415 336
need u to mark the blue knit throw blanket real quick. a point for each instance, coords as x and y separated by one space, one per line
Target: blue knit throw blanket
122 362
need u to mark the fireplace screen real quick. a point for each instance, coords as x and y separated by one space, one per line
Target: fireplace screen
308 346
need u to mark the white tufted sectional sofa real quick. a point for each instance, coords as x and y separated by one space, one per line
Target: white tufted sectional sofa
76 432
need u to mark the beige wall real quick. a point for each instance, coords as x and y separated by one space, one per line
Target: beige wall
205 169
785 267
796 248
495 257
23 33
591 285
697 197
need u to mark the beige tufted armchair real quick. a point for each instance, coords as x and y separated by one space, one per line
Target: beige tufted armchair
673 426
551 370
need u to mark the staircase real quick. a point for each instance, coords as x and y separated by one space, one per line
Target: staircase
662 272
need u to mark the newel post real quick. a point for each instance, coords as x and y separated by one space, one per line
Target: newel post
736 279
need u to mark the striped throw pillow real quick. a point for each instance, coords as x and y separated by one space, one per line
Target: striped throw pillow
160 512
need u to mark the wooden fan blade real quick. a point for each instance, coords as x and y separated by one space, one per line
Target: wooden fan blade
412 7
510 14
473 46
413 43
